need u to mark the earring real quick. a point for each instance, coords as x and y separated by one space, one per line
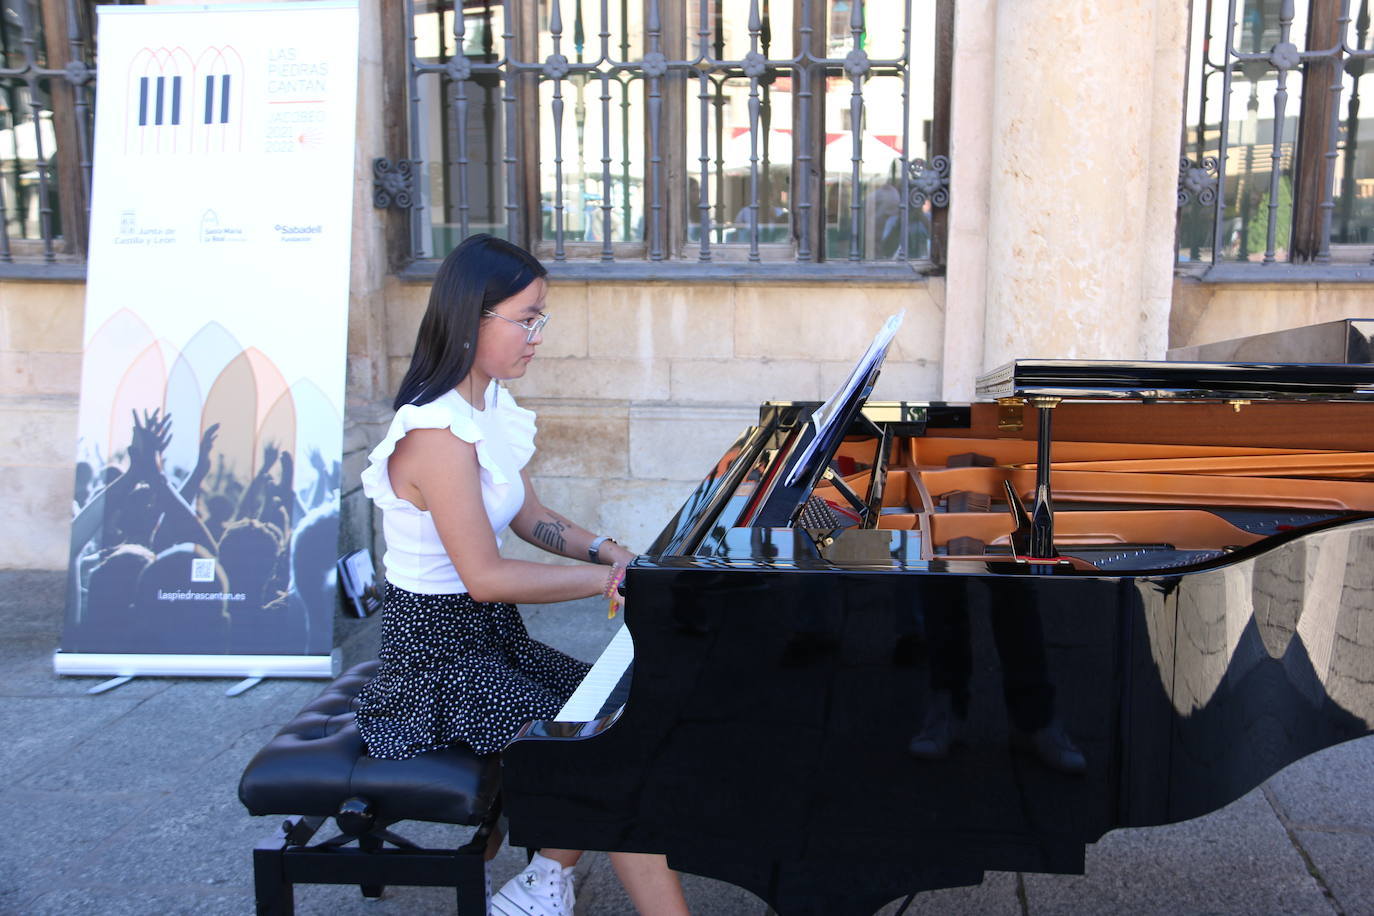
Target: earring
467 344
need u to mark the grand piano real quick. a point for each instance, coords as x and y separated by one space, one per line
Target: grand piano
885 647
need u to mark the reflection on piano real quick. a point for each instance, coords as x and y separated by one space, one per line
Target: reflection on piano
1166 569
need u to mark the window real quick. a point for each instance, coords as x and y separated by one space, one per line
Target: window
46 105
676 130
1277 166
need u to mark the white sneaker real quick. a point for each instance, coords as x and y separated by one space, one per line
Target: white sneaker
568 900
544 888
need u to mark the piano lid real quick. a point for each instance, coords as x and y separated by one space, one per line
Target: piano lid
1120 380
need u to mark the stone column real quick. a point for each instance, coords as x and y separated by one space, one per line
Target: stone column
970 146
367 407
1080 188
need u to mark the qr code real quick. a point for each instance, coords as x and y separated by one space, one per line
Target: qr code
203 570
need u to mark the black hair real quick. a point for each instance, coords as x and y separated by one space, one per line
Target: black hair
479 274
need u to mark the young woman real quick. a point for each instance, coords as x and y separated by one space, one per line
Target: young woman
457 663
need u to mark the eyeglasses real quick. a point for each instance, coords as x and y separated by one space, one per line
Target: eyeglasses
532 326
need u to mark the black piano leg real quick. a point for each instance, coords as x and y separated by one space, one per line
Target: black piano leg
274 894
372 844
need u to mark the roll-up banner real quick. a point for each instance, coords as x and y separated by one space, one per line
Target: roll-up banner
206 509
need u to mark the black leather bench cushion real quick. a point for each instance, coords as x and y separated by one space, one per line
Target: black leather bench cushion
317 761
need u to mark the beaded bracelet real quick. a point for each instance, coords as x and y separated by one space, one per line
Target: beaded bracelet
612 590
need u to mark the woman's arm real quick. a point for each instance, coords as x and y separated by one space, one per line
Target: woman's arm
190 490
539 525
179 521
254 498
321 478
285 489
88 521
435 470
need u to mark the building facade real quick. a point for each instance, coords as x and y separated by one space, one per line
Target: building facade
732 197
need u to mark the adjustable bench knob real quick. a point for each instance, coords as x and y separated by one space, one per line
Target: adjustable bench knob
355 816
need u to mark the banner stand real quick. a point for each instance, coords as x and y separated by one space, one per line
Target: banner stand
124 667
209 454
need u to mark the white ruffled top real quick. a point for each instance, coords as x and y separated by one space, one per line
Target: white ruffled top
504 435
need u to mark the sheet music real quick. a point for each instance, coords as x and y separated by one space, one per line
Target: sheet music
828 411
585 703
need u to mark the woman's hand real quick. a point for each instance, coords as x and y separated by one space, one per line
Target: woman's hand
207 442
149 438
613 591
190 490
269 458
612 553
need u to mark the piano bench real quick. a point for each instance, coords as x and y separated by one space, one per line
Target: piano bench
315 769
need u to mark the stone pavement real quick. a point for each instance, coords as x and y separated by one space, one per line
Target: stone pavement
126 802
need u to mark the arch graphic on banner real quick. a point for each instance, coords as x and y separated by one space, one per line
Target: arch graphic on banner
226 498
180 105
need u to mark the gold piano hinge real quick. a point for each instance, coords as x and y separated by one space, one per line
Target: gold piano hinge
1237 404
1011 415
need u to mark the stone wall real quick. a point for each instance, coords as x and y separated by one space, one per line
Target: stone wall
1064 133
40 372
1207 312
641 387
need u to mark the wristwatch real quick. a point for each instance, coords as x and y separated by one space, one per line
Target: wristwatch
594 548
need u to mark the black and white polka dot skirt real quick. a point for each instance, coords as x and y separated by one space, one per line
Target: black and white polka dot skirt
457 670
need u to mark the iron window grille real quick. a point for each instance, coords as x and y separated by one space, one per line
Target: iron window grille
47 89
1277 165
600 131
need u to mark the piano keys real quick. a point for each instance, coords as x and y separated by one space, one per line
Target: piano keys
602 691
836 717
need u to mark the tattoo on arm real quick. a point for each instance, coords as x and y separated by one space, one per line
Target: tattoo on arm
549 532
